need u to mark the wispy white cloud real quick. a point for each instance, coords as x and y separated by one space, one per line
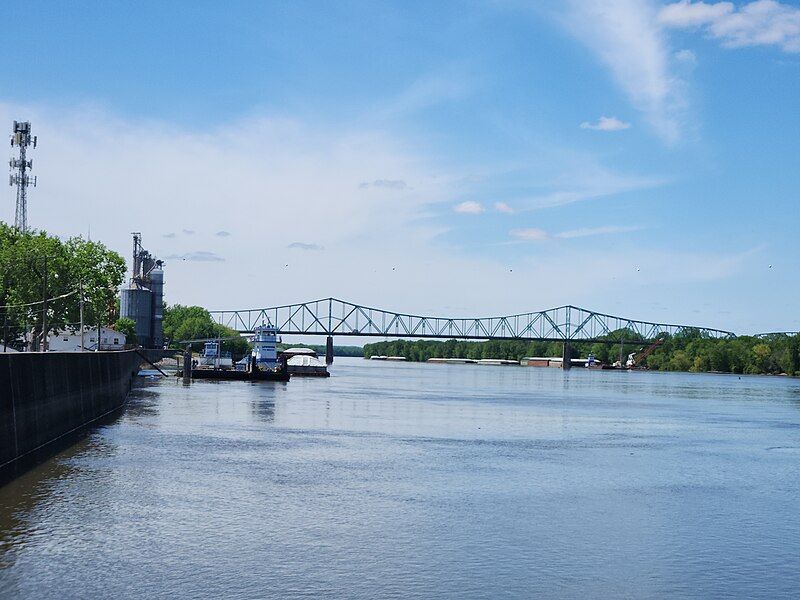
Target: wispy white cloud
691 14
759 23
427 91
588 180
606 124
591 231
530 234
389 184
686 56
627 38
540 235
299 181
469 207
503 208
305 246
197 255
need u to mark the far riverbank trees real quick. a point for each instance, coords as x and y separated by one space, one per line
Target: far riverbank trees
685 352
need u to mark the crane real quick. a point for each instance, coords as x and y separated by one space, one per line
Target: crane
635 360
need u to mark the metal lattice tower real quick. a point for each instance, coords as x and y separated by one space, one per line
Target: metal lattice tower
21 137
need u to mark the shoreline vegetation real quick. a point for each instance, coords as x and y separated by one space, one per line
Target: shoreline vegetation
777 354
35 266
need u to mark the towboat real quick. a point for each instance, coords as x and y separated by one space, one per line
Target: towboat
212 357
263 364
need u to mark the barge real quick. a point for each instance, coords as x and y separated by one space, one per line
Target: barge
304 362
263 364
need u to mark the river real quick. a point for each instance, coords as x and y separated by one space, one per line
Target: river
394 480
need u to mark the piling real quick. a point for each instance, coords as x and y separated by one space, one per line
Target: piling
329 351
567 357
187 364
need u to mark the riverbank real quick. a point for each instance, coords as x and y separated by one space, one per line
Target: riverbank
778 354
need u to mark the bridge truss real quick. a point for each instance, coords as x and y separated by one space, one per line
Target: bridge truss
333 317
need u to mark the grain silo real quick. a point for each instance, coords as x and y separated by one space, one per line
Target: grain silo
142 300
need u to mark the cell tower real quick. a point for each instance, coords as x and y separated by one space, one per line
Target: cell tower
21 137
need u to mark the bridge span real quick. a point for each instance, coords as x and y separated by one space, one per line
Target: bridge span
333 317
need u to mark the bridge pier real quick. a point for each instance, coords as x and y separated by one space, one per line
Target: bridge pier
329 350
566 363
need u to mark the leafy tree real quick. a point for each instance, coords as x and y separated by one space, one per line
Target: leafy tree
127 327
34 265
183 323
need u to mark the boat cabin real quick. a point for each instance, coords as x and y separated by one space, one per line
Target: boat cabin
265 347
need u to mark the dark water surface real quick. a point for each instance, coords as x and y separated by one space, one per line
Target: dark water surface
421 481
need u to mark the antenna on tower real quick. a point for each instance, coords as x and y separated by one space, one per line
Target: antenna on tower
21 137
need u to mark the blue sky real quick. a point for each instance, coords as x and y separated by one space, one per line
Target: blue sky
465 158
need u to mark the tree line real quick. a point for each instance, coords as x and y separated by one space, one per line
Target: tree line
35 266
183 323
351 351
686 351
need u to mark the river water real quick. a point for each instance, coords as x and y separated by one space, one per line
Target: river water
397 480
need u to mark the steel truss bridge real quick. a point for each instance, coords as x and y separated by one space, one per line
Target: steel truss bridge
332 317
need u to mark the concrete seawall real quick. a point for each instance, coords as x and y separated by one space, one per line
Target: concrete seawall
47 396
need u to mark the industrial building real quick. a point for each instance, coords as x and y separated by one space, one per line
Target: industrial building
143 300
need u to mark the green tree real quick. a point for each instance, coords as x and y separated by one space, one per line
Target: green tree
128 328
183 323
34 265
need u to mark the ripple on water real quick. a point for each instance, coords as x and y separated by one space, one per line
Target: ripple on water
420 482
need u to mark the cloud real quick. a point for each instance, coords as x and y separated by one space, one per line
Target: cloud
686 56
606 124
530 234
223 233
692 14
297 181
540 235
198 255
304 246
587 180
427 91
626 37
169 235
503 208
188 231
759 23
590 231
389 184
470 207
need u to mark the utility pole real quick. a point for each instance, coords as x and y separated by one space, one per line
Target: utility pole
44 307
81 309
21 138
99 327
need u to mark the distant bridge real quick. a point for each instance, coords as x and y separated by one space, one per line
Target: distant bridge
332 317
